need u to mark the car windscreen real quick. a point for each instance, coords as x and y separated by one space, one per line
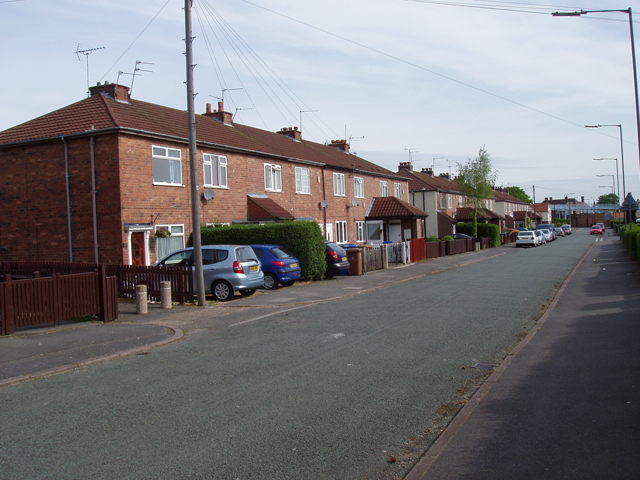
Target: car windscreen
245 254
336 248
280 252
525 234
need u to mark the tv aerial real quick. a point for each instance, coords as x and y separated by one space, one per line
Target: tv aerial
86 52
135 73
410 150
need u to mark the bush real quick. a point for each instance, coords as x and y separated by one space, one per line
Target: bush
303 239
488 230
433 238
446 238
631 239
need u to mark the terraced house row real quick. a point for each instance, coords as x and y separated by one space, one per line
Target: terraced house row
106 179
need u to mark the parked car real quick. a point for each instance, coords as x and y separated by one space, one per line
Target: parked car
602 225
337 261
278 265
541 238
596 230
227 269
527 238
559 232
457 236
567 229
548 234
551 228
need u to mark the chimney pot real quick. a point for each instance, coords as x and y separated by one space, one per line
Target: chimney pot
208 108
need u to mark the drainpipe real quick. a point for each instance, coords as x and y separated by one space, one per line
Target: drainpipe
66 174
93 200
324 197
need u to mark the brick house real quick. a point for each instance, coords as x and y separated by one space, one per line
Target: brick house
513 209
442 199
107 179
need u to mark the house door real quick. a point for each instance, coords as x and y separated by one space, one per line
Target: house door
138 255
395 232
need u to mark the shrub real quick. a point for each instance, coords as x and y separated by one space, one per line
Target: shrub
433 238
303 239
446 238
631 239
488 230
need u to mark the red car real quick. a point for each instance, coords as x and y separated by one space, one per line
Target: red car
597 229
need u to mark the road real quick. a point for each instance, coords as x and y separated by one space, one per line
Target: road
355 388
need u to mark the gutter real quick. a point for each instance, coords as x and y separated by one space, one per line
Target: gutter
66 175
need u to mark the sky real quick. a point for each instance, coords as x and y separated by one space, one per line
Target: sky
426 81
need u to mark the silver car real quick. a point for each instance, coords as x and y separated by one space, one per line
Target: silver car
527 237
227 269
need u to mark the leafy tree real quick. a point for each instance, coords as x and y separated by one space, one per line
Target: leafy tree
608 199
519 193
475 179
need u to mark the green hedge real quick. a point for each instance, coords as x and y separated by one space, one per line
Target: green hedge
488 230
631 239
303 239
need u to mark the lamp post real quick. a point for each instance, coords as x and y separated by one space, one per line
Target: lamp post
566 204
613 185
633 59
619 125
617 175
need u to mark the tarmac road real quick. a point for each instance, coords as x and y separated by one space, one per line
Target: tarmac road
306 390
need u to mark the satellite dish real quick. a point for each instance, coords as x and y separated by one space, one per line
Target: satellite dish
354 202
324 204
208 194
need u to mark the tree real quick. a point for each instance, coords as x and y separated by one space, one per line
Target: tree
519 193
608 199
475 180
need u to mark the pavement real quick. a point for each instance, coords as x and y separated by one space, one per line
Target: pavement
564 404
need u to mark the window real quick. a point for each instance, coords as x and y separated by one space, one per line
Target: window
358 187
169 238
449 200
338 185
384 188
360 231
460 201
397 190
215 170
341 232
442 204
167 166
303 182
272 178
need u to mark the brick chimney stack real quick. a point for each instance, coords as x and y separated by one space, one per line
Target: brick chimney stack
292 132
113 90
220 114
428 171
445 175
406 166
341 145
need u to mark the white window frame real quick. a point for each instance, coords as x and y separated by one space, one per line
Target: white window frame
384 188
449 200
217 164
360 231
339 189
272 177
160 155
358 187
460 201
177 231
341 231
397 190
442 201
303 181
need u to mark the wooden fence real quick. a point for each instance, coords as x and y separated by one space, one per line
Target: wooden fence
127 276
39 301
372 258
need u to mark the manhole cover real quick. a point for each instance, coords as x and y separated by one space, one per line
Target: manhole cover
483 366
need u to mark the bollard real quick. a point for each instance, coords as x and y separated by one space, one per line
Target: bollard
165 295
476 247
141 300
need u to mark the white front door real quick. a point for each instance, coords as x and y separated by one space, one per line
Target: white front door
395 232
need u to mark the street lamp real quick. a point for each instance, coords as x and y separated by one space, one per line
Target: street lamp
613 186
624 188
617 176
566 204
633 58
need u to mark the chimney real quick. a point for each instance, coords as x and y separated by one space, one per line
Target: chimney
406 166
112 90
582 199
445 175
292 132
341 145
428 171
220 114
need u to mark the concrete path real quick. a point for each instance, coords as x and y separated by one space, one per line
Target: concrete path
566 402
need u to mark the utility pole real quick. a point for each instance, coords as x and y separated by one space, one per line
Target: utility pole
193 165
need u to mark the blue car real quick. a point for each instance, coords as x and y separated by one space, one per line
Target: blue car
279 266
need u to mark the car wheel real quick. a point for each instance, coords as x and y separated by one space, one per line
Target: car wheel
270 281
249 292
288 284
222 291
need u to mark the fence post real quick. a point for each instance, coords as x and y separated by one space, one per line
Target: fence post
8 306
385 257
102 291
